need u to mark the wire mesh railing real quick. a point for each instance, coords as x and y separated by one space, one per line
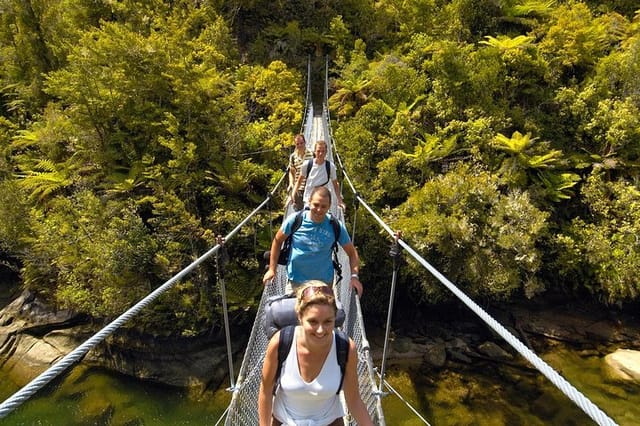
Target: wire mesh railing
243 408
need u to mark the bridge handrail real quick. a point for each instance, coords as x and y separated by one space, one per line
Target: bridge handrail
593 411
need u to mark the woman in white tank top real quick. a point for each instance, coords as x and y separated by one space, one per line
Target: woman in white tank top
310 375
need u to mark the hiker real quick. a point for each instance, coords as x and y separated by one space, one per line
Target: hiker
318 172
312 245
302 386
296 159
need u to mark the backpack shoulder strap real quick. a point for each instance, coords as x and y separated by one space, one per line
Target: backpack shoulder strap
327 166
309 165
336 228
334 248
296 222
285 250
284 346
342 353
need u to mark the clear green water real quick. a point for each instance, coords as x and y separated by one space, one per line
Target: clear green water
96 397
503 395
493 395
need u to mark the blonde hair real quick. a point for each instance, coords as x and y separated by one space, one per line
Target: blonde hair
321 294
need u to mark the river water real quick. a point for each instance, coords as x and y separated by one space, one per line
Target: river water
494 394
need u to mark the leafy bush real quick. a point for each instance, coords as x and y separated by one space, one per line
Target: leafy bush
600 250
484 240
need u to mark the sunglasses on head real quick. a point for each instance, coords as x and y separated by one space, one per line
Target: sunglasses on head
315 289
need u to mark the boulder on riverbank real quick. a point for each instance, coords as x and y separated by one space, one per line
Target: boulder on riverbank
623 364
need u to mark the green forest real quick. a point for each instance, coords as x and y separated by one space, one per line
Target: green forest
501 136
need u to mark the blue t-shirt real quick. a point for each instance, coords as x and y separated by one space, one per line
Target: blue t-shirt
311 249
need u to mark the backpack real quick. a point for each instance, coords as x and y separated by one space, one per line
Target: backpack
284 346
285 250
280 312
327 166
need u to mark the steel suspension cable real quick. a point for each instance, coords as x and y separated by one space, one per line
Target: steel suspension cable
396 393
576 396
221 260
396 255
307 99
74 356
589 408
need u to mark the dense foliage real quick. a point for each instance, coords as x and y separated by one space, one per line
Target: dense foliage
502 137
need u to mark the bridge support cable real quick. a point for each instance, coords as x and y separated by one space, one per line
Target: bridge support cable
569 390
77 354
221 259
396 255
396 393
308 111
589 408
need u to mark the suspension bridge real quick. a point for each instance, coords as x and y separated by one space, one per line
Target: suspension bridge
242 409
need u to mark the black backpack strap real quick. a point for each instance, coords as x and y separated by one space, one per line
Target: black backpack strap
284 346
334 248
285 250
342 353
327 166
309 165
296 222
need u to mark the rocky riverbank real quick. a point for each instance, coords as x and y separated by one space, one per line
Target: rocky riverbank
32 337
447 337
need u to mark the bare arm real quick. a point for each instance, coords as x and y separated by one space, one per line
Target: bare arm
276 244
265 397
292 176
296 186
351 390
354 266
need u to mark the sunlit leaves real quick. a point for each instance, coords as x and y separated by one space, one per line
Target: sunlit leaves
83 250
44 180
577 39
507 43
603 247
532 7
431 149
529 162
273 99
349 95
477 236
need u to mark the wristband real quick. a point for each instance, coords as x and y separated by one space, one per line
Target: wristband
355 276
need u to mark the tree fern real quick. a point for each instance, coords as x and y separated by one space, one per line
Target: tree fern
507 43
44 181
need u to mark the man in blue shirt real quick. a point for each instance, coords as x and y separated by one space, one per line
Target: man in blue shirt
311 246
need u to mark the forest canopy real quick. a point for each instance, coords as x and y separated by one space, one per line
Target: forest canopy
502 137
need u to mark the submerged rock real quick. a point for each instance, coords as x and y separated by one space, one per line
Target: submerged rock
436 355
492 350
